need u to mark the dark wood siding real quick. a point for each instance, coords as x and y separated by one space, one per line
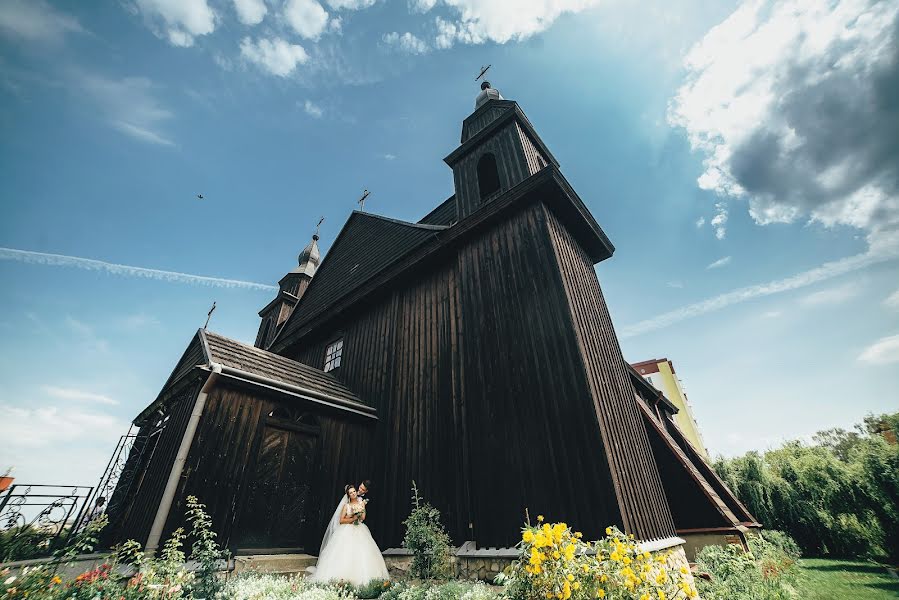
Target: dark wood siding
533 435
473 365
636 477
482 118
401 355
506 146
222 461
156 449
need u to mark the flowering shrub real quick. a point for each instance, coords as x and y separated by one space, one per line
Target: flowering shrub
556 562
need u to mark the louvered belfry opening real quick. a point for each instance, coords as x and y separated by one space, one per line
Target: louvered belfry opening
488 175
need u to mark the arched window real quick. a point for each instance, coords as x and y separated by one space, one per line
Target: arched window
488 175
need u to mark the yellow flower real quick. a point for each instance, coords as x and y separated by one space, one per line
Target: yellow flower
662 595
539 518
570 577
608 531
600 593
684 570
576 585
644 597
528 536
556 554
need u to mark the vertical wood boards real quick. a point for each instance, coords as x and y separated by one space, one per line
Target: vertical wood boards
636 477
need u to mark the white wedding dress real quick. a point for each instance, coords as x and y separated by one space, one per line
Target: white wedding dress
348 552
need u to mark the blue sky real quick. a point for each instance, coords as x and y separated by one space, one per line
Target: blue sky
741 157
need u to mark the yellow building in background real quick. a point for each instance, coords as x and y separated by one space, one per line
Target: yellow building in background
660 373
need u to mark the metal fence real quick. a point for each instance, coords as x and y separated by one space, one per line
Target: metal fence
39 518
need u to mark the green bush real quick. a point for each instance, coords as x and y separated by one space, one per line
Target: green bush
838 496
768 572
427 540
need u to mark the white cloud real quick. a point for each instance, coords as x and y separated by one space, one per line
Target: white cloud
60 260
350 4
479 21
276 56
700 222
312 110
64 444
129 105
35 20
67 393
36 428
421 6
79 327
675 284
792 105
877 254
835 295
771 314
306 17
138 321
389 156
407 42
882 352
178 20
719 221
719 263
250 12
892 301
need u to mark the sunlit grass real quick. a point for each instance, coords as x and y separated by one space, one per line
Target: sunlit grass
824 579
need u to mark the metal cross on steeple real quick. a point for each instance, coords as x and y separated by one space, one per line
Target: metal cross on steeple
361 201
209 315
483 72
317 227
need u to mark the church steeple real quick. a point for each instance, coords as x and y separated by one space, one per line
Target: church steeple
291 288
499 150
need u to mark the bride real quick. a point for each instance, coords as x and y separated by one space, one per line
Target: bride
348 552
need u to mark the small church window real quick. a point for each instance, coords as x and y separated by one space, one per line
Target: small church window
333 354
488 175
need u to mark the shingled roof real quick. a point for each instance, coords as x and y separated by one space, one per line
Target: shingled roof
250 359
366 245
254 366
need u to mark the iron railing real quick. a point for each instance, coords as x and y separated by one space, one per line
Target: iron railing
37 519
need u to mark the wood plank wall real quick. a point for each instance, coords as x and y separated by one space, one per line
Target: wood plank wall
533 434
481 348
145 492
511 162
221 463
401 356
637 483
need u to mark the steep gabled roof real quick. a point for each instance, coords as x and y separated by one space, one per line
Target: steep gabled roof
253 365
250 359
366 245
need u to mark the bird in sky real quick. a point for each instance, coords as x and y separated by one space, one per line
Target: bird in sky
200 196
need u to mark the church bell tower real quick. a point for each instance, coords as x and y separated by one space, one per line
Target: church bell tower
499 150
292 287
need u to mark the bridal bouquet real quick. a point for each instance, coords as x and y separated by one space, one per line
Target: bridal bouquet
359 512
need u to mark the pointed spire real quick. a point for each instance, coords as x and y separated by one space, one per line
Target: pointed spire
309 258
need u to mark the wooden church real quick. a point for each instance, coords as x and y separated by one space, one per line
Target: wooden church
471 352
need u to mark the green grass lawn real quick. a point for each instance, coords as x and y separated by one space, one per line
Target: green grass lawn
845 580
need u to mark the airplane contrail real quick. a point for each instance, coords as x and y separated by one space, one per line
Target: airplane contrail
89 264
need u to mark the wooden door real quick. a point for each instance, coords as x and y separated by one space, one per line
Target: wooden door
281 508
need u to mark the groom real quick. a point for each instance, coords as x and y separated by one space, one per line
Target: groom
363 488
